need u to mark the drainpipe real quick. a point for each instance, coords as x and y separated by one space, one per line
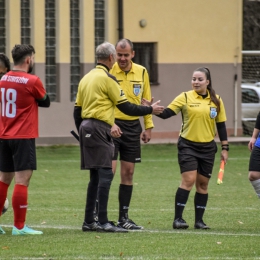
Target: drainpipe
120 20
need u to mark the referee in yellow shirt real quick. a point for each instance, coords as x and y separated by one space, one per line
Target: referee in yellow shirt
134 80
202 111
98 95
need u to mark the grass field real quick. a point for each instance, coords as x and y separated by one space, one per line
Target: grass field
57 200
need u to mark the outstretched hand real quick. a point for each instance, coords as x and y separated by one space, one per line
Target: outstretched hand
146 102
156 108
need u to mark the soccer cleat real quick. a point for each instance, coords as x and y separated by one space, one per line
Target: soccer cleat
201 225
1 231
179 223
110 227
89 227
128 224
25 231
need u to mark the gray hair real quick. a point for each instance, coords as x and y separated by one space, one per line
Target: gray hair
104 50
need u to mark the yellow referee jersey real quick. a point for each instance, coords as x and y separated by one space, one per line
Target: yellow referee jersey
136 85
199 116
98 94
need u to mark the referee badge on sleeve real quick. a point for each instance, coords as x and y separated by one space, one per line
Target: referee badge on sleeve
213 112
137 89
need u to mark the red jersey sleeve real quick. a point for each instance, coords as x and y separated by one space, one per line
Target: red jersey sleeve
39 91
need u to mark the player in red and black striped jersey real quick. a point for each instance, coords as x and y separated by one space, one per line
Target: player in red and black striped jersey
21 94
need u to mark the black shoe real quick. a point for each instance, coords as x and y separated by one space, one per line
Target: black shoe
89 227
201 225
179 223
128 224
110 227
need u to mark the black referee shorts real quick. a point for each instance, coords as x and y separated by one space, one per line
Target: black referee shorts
96 144
17 155
128 145
254 162
196 156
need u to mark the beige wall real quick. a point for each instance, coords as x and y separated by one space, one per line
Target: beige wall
187 31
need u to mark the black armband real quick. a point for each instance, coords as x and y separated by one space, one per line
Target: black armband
225 147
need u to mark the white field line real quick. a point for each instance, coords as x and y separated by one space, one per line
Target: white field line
152 231
143 160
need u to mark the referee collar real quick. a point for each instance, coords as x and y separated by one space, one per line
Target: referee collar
100 65
196 95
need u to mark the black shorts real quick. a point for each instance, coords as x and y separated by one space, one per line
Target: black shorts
196 156
17 155
254 162
128 145
96 144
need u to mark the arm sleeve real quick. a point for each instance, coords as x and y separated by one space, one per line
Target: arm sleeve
45 102
257 122
167 112
134 110
77 117
222 131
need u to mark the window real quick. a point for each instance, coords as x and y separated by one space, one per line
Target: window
145 55
25 22
74 48
50 43
249 96
99 22
2 26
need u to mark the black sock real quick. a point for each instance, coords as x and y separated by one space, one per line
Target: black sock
181 198
91 196
200 202
124 197
105 179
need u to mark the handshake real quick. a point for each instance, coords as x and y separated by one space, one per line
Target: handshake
156 108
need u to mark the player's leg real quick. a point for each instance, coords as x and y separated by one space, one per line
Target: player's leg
188 179
105 178
129 154
200 201
206 158
6 173
89 223
24 159
254 170
188 167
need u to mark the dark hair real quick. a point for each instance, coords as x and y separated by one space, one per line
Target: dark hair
21 51
123 42
212 92
4 59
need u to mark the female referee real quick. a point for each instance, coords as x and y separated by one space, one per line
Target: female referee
202 110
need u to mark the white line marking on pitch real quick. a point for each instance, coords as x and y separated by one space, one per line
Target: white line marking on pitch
153 231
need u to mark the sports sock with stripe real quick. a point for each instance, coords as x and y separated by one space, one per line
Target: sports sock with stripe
19 202
200 202
181 198
124 197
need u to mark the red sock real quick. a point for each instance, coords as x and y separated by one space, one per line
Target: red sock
19 201
3 195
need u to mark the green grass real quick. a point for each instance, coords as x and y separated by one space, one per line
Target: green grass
57 199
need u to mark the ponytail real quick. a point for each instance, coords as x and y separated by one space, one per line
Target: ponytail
213 97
